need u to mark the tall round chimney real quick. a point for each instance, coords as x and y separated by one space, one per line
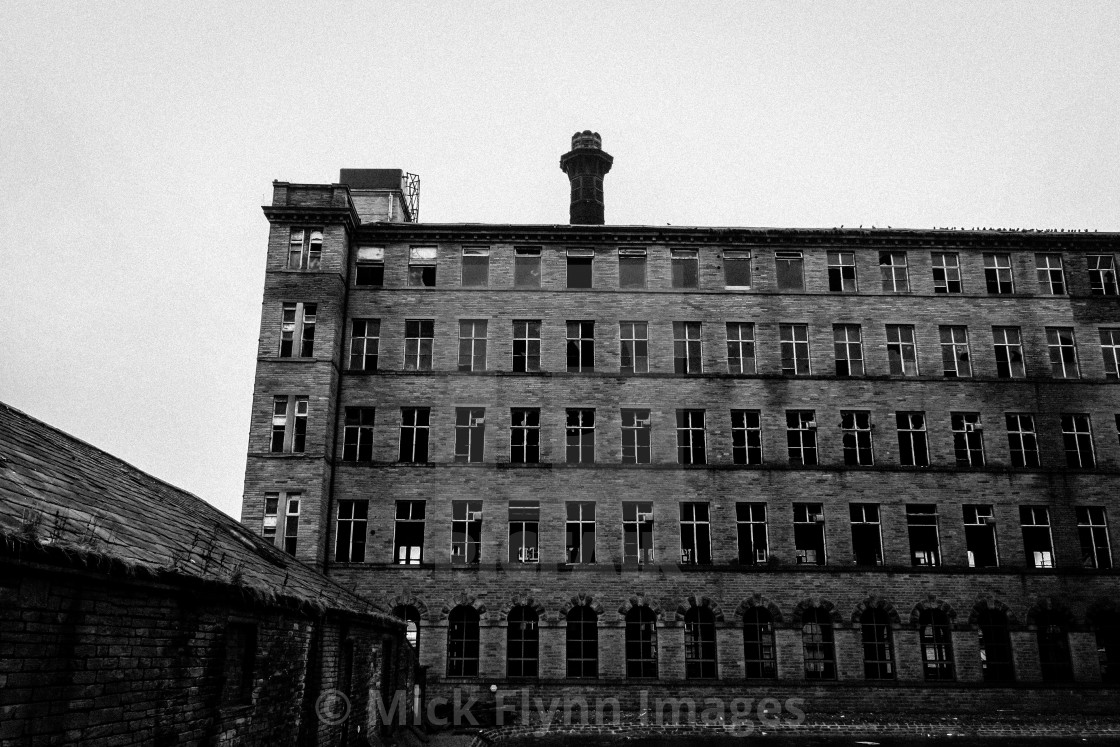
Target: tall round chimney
586 164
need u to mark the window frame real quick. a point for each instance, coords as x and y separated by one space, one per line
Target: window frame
1078 440
801 438
752 534
789 276
412 522
691 438
894 274
1062 347
472 345
980 528
857 438
838 278
581 638
370 339
466 532
696 532
951 351
580 269
1102 274
524 343
357 433
418 335
638 525
1034 520
369 267
788 335
637 435
923 519
740 348
421 267
526 423
299 326
916 452
809 529
522 643
746 436
848 350
1007 366
944 281
580 532
878 645
737 257
415 428
1092 533
688 348
581 348
524 518
632 270
479 270
1051 278
700 646
523 265
463 642
633 349
968 439
681 261
350 545
999 279
902 353
1110 351
470 435
308 251
584 433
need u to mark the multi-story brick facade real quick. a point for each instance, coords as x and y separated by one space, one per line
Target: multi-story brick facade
861 463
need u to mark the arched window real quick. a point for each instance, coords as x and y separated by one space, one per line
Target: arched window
995 645
583 642
758 644
641 643
699 644
522 642
462 642
937 644
411 617
878 654
1108 644
819 645
1053 647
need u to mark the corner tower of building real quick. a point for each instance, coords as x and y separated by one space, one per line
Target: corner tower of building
586 164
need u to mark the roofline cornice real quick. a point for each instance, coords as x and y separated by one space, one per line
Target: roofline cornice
347 216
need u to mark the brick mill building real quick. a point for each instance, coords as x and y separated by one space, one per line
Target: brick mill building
875 468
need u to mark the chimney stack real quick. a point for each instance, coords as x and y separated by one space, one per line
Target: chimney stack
586 164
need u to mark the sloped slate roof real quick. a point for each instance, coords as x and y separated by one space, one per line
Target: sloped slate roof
58 493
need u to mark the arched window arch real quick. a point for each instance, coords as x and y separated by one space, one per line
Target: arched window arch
522 642
819 645
583 642
641 643
758 644
994 633
878 648
699 644
935 634
411 617
462 642
1053 647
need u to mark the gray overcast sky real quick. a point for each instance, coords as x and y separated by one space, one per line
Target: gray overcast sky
138 141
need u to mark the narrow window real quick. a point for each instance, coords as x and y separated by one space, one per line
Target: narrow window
1092 530
370 270
750 527
737 268
476 267
893 268
1063 353
408 541
956 362
411 617
685 265
818 645
637 532
350 533
271 520
902 351
365 341
687 355
289 411
580 267
842 272
466 532
357 435
980 537
298 325
636 437
848 344
472 344
994 633
581 346
1110 350
419 339
305 249
936 639
240 661
1037 541
1051 274
878 645
1022 441
855 429
527 267
524 530
522 642
740 348
526 345
997 274
808 533
913 451
582 644
422 266
580 436
867 534
696 534
579 531
1009 353
699 644
291 523
634 347
968 439
690 437
946 272
631 268
470 433
801 437
1077 436
462 642
795 349
758 644
1053 647
746 437
790 270
925 540
1102 275
1108 646
414 434
524 435
641 643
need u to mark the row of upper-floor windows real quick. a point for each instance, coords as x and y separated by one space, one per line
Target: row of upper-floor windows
796 356
738 269
857 442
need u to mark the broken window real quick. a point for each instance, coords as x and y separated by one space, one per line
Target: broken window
737 268
842 272
462 642
1092 530
980 537
997 274
740 348
690 437
946 272
1009 353
524 435
636 437
634 346
994 634
357 434
1102 274
699 644
419 339
968 439
522 642
526 345
795 349
350 531
1077 437
305 249
408 542
848 345
370 268
580 436
750 526
298 324
855 429
581 346
579 531
524 530
582 642
470 433
580 267
893 268
414 434
291 522
289 424
365 340
422 262
1037 541
808 533
1110 350
271 519
631 268
746 437
696 534
476 266
466 532
1022 440
637 532
902 351
935 635
641 643
1051 274
925 541
758 644
472 344
867 535
527 267
790 270
878 644
685 266
913 450
801 437
956 361
1063 353
818 644
687 356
